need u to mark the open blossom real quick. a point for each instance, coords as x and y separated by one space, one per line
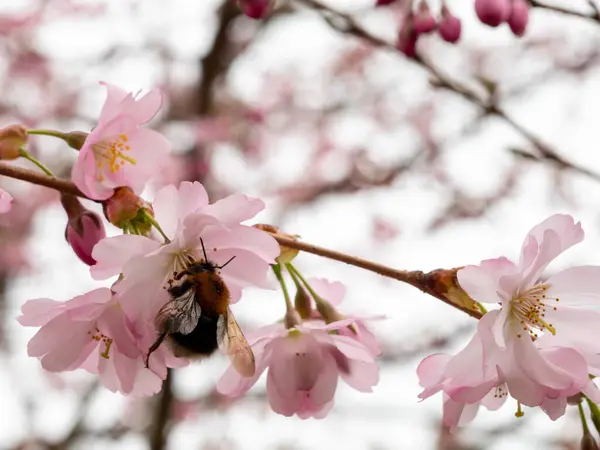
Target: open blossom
539 347
304 365
90 332
118 152
186 216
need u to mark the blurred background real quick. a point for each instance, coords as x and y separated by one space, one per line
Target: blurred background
433 162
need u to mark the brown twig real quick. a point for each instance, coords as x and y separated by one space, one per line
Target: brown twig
346 24
159 430
440 284
41 179
595 16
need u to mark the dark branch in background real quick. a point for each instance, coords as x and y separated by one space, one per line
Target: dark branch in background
594 16
346 24
160 426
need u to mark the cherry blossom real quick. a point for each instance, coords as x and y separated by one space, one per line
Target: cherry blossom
90 332
118 152
304 365
185 215
538 345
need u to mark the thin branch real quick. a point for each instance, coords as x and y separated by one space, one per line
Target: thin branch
595 16
346 24
159 430
41 179
440 284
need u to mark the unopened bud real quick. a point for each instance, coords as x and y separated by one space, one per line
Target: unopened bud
423 21
492 12
328 311
588 442
255 9
128 211
519 17
302 302
444 284
12 138
384 2
449 27
407 37
84 228
75 139
574 399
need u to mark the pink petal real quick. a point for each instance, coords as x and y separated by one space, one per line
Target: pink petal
481 282
171 205
332 291
246 269
146 383
150 150
554 407
39 312
456 414
112 253
431 370
5 201
235 208
360 375
233 384
522 388
249 239
577 328
296 363
113 324
144 109
590 390
114 97
493 400
351 348
60 353
125 369
324 389
576 286
286 404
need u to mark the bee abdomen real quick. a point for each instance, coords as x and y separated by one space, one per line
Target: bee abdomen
202 340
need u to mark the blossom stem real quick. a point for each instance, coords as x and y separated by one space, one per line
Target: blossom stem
482 308
296 275
25 154
288 301
56 134
584 424
595 413
156 225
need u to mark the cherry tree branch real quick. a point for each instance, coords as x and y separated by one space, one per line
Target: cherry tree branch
346 24
441 284
594 16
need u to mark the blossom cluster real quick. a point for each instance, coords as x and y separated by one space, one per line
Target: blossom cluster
109 331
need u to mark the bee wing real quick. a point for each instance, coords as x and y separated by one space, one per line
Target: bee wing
181 314
231 341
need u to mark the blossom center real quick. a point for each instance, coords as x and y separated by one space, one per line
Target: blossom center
112 154
101 338
529 308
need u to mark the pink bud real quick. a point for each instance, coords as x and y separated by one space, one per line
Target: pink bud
492 12
12 138
449 27
255 9
84 228
384 2
519 17
407 38
424 21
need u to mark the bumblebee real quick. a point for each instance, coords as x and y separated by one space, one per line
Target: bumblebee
197 320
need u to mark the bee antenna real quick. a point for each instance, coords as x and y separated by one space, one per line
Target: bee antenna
230 259
204 250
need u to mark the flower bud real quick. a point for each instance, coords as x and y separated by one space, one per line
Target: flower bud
588 442
12 138
407 37
255 9
84 228
449 26
302 302
75 139
126 210
328 311
384 2
492 12
574 400
519 17
423 21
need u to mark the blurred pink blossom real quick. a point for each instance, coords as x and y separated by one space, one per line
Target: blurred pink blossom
304 365
118 152
449 27
255 9
423 20
407 36
519 17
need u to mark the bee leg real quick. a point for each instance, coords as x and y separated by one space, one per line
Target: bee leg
154 346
